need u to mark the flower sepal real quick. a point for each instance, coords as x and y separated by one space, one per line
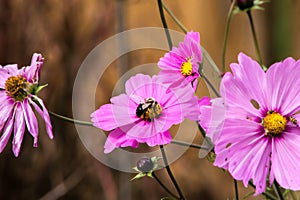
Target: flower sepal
35 88
247 5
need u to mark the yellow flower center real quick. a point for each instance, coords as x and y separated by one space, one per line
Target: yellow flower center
186 68
15 87
149 110
274 123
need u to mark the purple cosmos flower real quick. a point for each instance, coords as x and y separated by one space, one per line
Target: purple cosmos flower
18 88
145 113
259 136
180 66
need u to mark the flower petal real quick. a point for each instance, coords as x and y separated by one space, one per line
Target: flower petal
7 132
32 73
117 138
110 116
31 121
283 96
4 75
144 82
12 69
159 139
286 158
19 128
43 113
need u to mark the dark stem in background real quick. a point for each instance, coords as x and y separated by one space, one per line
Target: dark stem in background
229 16
278 191
210 84
236 189
267 194
163 186
163 20
180 25
254 37
164 156
182 143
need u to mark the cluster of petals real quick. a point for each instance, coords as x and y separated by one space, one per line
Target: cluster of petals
128 129
16 111
255 123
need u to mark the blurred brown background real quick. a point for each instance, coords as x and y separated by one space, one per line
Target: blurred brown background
65 32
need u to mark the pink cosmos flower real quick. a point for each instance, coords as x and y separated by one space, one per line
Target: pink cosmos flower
144 113
180 66
18 88
259 136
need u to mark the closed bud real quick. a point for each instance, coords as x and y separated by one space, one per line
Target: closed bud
245 4
145 165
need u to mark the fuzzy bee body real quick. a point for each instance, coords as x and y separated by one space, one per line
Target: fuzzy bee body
148 110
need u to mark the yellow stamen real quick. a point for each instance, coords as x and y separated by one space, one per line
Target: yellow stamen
15 87
186 68
274 123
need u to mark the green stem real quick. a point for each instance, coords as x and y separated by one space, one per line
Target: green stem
210 84
277 189
74 121
163 186
163 153
236 189
254 37
180 25
229 16
267 194
293 195
164 22
188 144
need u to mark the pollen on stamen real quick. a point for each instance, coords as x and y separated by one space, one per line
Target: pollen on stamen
15 87
186 68
274 123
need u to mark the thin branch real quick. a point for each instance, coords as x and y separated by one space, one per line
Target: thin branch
236 189
181 197
66 185
254 37
278 191
229 16
175 19
267 194
67 119
164 22
182 143
163 186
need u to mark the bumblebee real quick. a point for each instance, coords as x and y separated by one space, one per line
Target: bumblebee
148 110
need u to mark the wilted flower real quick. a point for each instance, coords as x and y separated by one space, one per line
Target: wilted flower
258 138
18 89
180 66
145 113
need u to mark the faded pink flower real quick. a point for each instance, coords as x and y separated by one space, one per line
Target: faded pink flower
144 113
255 124
18 88
180 66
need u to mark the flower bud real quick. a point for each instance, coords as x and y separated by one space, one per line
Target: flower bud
245 4
145 165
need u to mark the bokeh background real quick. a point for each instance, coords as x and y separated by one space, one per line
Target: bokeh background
65 32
